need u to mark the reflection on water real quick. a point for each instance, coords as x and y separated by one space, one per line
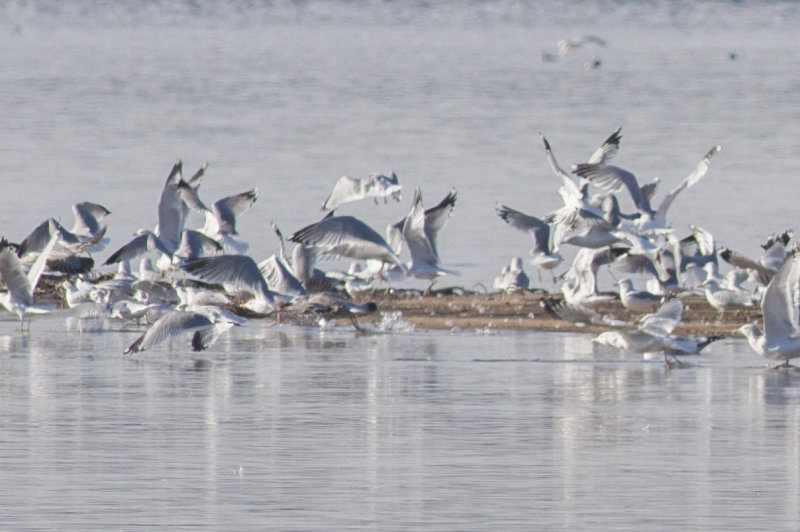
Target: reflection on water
286 427
289 428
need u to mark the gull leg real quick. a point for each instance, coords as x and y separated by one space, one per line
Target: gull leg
359 328
672 361
428 290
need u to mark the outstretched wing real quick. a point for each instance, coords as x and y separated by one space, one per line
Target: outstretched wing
345 190
780 303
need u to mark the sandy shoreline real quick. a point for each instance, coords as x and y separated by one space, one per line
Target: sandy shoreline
454 308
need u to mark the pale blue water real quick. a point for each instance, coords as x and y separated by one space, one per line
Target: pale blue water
284 428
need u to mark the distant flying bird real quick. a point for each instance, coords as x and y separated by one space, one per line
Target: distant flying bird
348 189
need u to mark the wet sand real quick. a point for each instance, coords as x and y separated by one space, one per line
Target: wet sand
468 310
455 307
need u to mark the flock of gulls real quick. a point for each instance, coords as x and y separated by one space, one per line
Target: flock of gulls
199 282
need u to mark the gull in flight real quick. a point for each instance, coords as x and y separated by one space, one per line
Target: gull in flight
580 281
543 255
375 186
575 194
346 236
780 339
615 179
658 218
67 255
172 211
653 334
235 272
420 231
220 222
87 219
204 323
145 241
565 46
19 298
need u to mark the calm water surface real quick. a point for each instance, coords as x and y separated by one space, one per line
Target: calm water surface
290 428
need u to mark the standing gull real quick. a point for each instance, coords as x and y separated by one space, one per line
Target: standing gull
779 306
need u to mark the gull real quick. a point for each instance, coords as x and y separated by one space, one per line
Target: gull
660 271
301 265
88 216
195 244
637 300
130 310
698 248
21 286
512 278
574 194
653 334
501 281
580 281
193 293
566 46
348 189
420 233
204 323
325 306
280 278
171 213
190 194
346 236
147 271
775 249
543 256
67 255
145 241
633 341
614 179
725 298
519 280
358 278
155 292
658 219
235 272
779 306
737 260
82 291
578 313
593 231
221 219
279 273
